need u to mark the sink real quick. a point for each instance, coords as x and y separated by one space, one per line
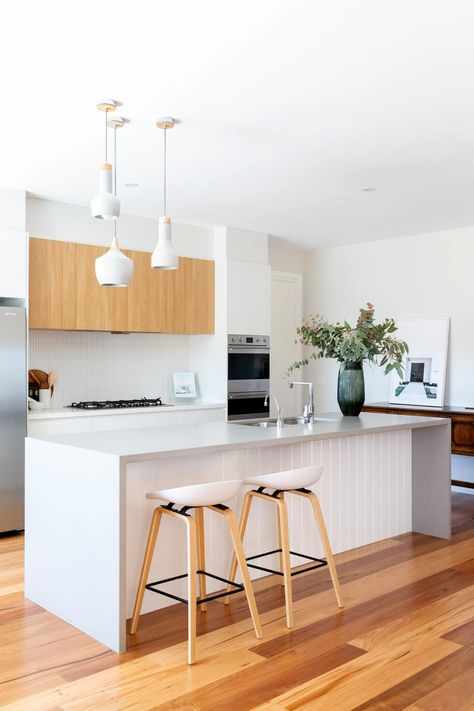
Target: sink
287 421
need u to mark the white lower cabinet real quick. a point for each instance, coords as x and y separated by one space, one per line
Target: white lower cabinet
45 426
58 425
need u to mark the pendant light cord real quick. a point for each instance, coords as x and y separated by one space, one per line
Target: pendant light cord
115 161
115 181
106 115
164 171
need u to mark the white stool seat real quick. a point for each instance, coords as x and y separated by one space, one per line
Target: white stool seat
199 494
289 479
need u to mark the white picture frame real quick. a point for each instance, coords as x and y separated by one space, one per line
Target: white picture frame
424 379
184 386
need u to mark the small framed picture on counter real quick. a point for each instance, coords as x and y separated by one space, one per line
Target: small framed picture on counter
184 385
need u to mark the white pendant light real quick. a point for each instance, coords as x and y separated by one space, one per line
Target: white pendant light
164 255
105 205
114 268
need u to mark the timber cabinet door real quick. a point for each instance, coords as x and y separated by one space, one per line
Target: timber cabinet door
99 308
174 298
52 284
189 297
199 297
146 296
172 301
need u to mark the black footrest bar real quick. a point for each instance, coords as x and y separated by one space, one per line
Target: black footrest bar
238 588
321 563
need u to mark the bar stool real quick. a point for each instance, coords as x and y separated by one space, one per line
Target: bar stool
293 481
198 497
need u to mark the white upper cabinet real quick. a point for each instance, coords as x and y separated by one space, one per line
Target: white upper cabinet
248 298
13 265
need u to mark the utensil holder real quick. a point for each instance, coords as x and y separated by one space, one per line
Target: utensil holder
45 397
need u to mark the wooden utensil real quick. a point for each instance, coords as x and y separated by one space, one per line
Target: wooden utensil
32 378
52 377
40 377
51 380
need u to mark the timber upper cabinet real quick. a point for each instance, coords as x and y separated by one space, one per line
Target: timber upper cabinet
52 284
64 293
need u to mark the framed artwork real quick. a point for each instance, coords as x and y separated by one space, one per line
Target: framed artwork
424 378
184 385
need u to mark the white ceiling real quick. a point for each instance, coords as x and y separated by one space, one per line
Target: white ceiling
289 108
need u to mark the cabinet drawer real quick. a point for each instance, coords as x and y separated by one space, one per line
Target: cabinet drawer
462 435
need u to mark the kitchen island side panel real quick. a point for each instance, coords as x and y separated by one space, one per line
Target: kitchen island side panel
74 538
431 462
365 493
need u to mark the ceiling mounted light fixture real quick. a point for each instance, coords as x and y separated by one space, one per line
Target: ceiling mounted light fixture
105 205
164 255
114 268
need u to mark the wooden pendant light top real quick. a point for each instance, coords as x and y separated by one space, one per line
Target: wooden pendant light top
165 122
116 122
106 106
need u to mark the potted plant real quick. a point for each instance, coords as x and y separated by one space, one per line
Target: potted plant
367 341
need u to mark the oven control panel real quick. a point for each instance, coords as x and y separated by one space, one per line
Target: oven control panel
239 340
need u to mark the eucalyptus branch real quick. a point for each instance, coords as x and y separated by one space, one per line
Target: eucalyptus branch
367 341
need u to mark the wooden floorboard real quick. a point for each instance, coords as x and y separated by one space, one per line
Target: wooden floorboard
404 642
420 685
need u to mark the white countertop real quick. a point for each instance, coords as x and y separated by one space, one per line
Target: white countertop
73 412
152 443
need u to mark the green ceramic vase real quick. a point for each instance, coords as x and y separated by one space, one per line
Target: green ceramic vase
350 388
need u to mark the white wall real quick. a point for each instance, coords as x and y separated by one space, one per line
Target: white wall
12 209
247 246
424 275
286 257
72 223
416 276
14 262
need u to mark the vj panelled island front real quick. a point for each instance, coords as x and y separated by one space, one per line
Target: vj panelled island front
87 517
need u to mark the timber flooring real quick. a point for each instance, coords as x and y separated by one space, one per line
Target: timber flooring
404 642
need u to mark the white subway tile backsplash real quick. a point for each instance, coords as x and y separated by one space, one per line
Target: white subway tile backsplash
108 366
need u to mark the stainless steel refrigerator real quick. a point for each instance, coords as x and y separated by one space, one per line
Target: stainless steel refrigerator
13 403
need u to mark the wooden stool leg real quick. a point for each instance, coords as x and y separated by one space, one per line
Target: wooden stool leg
240 555
148 557
282 495
192 567
318 514
244 517
285 546
201 555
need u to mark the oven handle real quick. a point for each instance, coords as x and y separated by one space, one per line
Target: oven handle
249 350
247 396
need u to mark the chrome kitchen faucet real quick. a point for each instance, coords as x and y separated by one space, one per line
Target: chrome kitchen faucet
280 410
308 409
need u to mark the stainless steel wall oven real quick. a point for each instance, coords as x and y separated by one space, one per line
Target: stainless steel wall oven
248 379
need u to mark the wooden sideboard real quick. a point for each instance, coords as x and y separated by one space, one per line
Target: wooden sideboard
462 426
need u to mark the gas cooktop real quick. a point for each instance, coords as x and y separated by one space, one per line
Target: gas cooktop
117 404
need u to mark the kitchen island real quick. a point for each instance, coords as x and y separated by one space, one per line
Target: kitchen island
87 517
